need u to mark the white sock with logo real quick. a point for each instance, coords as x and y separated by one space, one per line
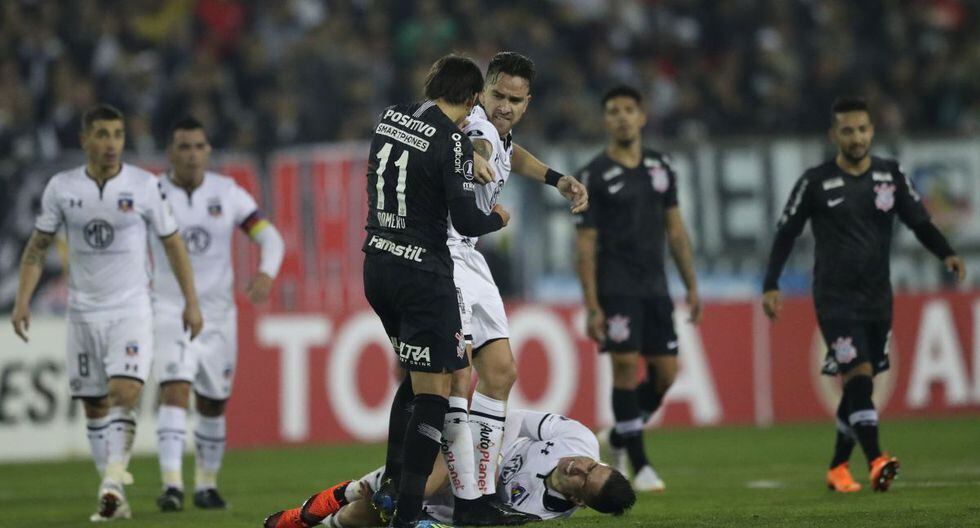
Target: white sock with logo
209 436
171 431
98 442
119 445
487 427
457 450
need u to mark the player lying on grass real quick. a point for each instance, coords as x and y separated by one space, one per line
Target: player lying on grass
550 468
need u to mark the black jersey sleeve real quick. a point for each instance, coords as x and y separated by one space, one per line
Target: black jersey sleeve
457 170
791 224
908 203
797 209
586 219
670 196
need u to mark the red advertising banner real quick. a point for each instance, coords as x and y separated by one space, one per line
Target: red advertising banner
325 377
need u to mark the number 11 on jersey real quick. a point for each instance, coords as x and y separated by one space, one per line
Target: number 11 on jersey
402 164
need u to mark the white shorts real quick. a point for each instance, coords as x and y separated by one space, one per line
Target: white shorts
97 351
208 362
481 308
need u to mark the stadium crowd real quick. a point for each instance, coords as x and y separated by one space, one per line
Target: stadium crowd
265 74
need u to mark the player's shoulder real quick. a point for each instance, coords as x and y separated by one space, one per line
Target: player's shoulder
219 181
656 158
819 173
138 177
66 177
478 126
883 164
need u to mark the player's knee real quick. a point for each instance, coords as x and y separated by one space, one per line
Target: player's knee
462 382
175 394
210 408
124 393
624 373
96 408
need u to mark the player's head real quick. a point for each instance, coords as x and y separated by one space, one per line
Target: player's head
454 79
851 128
508 89
103 135
622 110
188 148
587 482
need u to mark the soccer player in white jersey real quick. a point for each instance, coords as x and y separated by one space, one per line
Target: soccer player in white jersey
550 469
475 432
108 210
209 208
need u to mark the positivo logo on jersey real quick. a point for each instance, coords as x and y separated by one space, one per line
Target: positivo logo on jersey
197 239
99 233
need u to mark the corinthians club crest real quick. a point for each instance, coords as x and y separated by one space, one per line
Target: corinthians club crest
885 196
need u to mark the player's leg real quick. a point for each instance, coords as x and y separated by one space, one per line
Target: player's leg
660 348
217 354
883 467
175 364
127 355
839 476
87 382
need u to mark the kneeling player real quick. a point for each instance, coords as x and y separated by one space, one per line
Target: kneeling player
550 469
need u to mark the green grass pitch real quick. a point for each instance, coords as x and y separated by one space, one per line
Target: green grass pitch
717 477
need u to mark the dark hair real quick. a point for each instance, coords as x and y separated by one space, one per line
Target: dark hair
615 497
454 79
184 123
622 91
849 104
511 63
101 112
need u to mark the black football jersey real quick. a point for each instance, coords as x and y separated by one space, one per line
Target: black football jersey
628 207
852 219
419 162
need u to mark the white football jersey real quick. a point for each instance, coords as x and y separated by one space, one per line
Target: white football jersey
107 231
208 218
529 459
479 127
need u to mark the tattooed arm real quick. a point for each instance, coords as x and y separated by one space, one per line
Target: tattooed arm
31 266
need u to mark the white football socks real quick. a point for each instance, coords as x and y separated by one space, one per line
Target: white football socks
98 442
487 417
171 432
457 450
209 436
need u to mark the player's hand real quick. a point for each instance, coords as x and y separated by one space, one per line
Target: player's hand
694 306
772 304
258 290
954 264
482 172
574 192
21 318
499 209
193 321
596 325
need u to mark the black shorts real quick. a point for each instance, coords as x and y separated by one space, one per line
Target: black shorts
420 314
850 343
639 324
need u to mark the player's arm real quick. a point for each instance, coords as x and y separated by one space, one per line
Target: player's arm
466 216
585 251
482 170
680 250
524 163
790 225
272 249
31 267
180 263
913 214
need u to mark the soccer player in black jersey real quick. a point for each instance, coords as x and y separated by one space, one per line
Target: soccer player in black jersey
633 214
851 202
420 173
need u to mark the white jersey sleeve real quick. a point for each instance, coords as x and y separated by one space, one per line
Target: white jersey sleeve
243 203
49 220
157 211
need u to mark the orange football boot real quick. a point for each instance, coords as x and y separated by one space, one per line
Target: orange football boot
884 469
839 479
285 519
324 503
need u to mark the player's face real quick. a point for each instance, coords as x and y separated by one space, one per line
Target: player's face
103 142
852 133
624 119
505 100
580 478
189 152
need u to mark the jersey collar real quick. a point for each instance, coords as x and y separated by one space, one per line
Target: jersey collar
552 500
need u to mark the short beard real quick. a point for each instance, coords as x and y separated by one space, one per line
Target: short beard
625 143
855 160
